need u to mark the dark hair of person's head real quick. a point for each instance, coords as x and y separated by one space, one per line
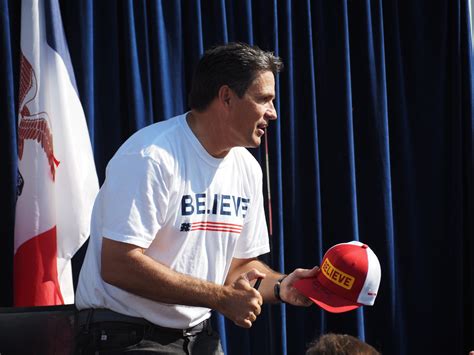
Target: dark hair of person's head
340 344
235 65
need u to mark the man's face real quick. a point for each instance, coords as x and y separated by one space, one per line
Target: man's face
252 113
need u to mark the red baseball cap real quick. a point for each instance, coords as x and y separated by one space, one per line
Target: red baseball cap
349 277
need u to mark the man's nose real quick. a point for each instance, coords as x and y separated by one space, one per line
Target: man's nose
271 112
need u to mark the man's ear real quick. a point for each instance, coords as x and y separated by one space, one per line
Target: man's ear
225 96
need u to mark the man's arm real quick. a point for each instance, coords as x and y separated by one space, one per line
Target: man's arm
288 293
126 266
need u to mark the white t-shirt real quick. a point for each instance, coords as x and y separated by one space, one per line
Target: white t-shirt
190 211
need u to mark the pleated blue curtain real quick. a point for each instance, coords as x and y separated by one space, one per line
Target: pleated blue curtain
374 142
9 54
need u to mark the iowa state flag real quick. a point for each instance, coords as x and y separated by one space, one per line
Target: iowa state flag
57 180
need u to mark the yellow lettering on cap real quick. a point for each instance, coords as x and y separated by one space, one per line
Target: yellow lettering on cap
337 276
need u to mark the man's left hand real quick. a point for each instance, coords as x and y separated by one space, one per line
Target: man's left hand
291 295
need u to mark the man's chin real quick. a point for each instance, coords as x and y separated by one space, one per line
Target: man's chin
253 143
256 143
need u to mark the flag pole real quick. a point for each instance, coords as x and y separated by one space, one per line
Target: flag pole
269 195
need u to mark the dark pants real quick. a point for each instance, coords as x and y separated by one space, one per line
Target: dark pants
107 332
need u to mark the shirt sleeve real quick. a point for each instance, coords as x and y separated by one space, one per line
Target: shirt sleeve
253 240
135 200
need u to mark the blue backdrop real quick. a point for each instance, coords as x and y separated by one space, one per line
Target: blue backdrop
374 142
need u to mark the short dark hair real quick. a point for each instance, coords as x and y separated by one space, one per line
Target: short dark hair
233 64
340 344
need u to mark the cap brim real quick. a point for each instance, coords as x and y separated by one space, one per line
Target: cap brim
324 298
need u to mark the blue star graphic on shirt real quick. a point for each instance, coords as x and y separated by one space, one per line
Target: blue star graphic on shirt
185 227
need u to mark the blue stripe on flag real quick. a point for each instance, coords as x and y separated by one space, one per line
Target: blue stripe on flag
55 36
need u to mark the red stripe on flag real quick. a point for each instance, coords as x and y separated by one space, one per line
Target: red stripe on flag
36 273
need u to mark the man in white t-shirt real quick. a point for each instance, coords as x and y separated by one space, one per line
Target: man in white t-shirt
179 221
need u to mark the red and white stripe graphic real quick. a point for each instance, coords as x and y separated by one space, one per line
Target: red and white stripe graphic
56 166
215 227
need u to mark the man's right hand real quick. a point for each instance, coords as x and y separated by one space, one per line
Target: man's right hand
241 302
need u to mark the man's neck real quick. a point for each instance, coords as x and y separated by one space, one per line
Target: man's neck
206 126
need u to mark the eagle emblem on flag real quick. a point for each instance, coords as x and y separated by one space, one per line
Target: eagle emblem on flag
33 125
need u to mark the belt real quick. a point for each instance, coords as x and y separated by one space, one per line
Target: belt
86 317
